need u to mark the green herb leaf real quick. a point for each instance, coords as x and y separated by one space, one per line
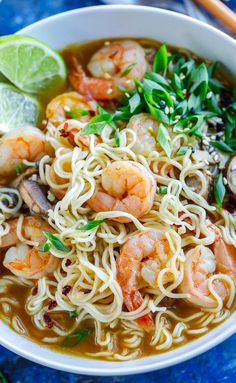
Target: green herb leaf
158 114
92 224
76 337
117 137
182 150
2 378
164 139
187 68
134 102
45 247
212 68
162 189
97 123
156 77
77 113
56 242
19 169
160 60
177 84
127 70
200 81
73 314
190 125
219 190
221 145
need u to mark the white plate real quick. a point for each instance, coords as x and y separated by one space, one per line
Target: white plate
133 21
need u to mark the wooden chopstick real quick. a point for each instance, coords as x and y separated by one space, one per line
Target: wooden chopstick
220 11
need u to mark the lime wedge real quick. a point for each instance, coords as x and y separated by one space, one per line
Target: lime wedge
31 65
16 109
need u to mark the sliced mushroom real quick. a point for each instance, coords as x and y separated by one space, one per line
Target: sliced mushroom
199 187
230 173
33 196
26 174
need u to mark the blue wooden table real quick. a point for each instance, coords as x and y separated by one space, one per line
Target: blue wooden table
217 365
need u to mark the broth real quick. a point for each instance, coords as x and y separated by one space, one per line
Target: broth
19 294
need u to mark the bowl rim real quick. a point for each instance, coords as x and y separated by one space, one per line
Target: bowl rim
122 368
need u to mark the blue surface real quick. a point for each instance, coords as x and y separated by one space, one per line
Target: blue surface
217 365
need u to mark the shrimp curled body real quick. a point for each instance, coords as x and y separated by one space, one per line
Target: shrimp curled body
24 260
143 251
128 187
199 266
21 144
111 66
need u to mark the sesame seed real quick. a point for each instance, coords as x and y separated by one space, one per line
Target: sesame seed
51 197
44 122
225 181
184 91
173 98
66 108
177 117
209 95
182 76
208 172
205 142
211 150
109 91
107 75
128 82
213 137
107 43
127 94
150 129
171 109
167 110
206 162
216 158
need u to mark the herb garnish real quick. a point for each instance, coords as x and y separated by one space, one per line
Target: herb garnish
2 378
92 224
160 60
127 70
221 145
219 190
19 169
76 337
52 240
73 314
77 113
164 139
182 150
97 124
162 189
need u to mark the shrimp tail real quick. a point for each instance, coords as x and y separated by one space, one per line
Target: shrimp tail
96 88
146 321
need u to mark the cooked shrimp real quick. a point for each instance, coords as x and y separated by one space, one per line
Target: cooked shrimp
21 144
57 109
128 186
24 260
199 266
225 254
145 127
141 249
111 66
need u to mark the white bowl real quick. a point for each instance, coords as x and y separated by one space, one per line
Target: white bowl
133 21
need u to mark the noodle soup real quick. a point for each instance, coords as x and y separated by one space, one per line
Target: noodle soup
118 238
